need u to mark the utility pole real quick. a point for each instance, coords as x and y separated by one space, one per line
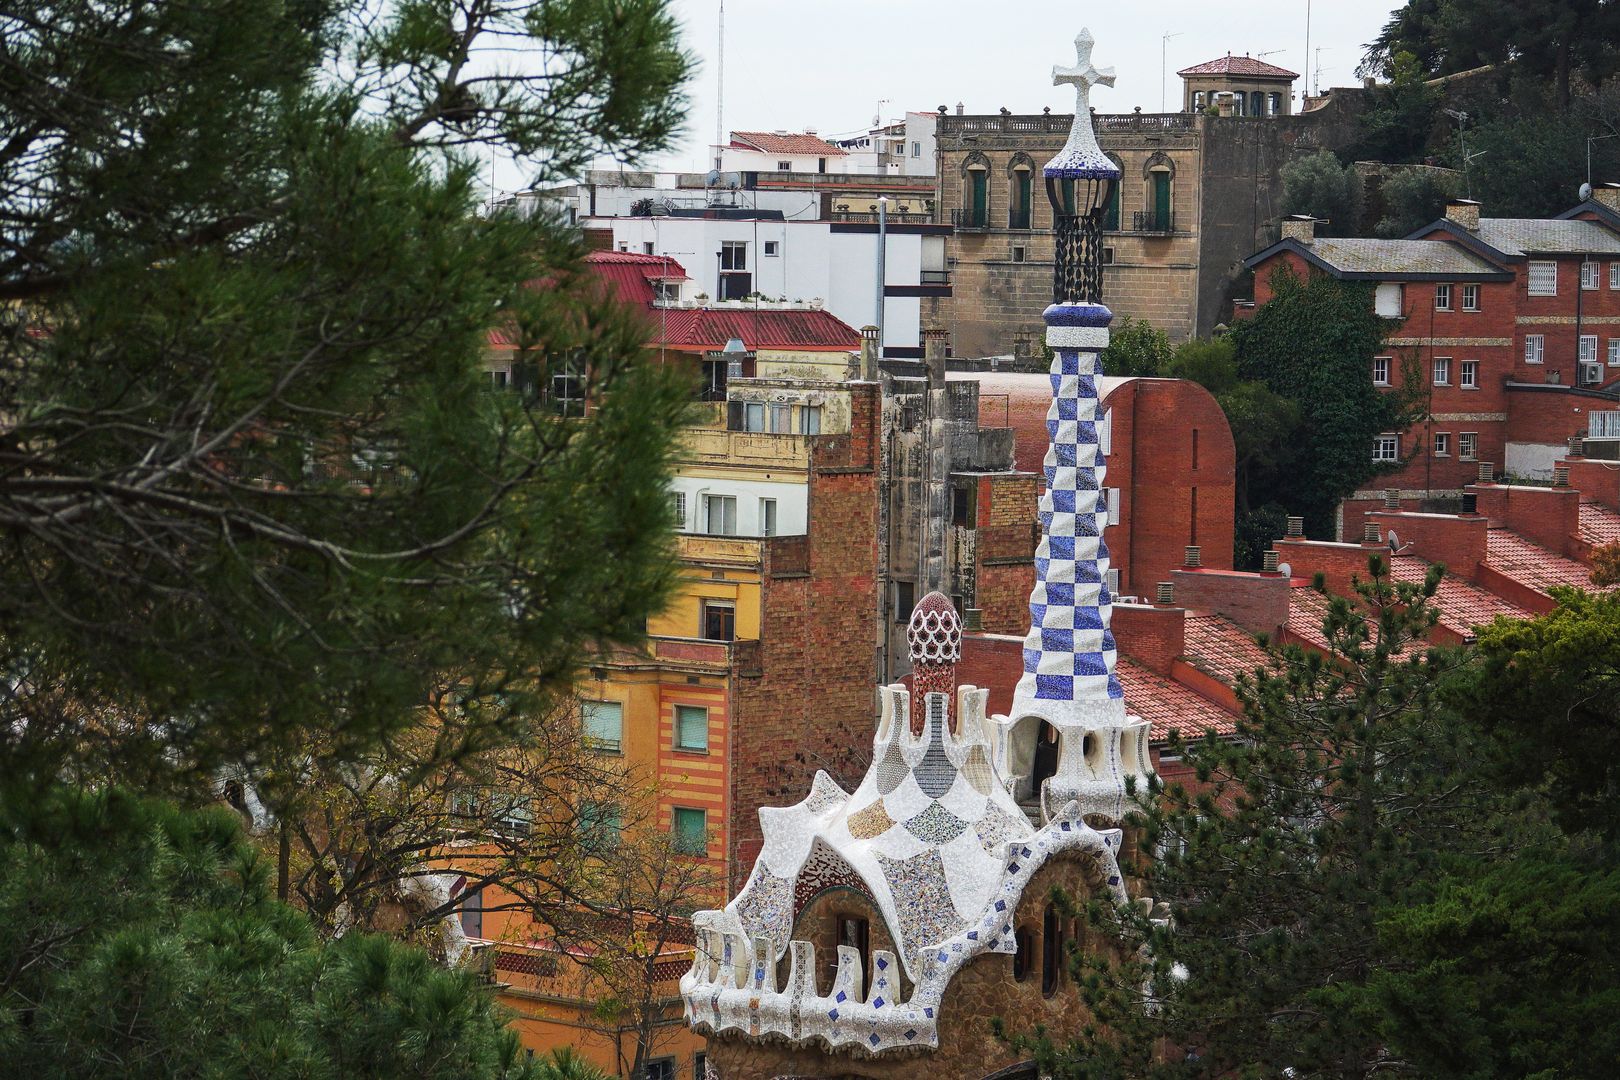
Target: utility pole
1164 66
720 93
1307 55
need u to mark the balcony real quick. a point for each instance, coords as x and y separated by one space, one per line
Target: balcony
935 277
1603 425
1059 123
740 551
1018 219
970 218
865 218
709 447
1151 221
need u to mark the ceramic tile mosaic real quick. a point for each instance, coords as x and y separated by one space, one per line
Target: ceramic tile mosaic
936 825
825 869
870 822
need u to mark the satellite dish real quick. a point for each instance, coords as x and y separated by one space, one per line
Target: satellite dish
1394 542
731 181
713 179
1285 570
1585 192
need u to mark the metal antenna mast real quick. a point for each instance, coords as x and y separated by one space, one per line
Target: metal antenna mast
720 92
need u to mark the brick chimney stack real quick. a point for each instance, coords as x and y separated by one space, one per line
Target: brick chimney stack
1607 195
1301 227
1463 212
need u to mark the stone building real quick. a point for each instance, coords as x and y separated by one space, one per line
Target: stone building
925 889
1237 86
1198 193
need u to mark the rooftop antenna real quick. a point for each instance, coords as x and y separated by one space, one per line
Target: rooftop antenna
1590 139
1307 48
1316 81
1164 67
720 92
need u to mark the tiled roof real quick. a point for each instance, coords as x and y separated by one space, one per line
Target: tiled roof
1533 564
628 275
1530 236
1462 605
1396 257
771 143
1599 524
1222 648
1306 610
1239 65
1168 706
696 329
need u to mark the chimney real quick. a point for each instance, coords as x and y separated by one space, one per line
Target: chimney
1296 526
1470 503
1577 446
1193 557
1392 498
1607 195
1369 532
1301 227
960 109
934 339
1464 212
869 353
1561 476
1225 105
1487 472
1166 596
1268 562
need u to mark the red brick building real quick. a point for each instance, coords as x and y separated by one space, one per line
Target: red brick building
1510 327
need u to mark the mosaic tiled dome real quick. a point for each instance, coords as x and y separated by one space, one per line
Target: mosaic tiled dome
935 631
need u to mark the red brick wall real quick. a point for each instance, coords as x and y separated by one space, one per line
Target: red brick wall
1550 517
1597 481
1456 541
1337 562
1152 636
1549 415
804 698
1004 554
1256 602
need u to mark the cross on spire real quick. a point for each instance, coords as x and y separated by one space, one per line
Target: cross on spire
1083 76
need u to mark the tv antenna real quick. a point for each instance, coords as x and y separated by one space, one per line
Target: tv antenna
720 92
1164 66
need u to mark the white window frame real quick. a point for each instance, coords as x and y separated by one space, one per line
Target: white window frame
770 249
689 747
1386 363
1112 495
1587 349
1386 447
1467 445
1589 275
1614 275
1442 297
767 517
779 418
1105 433
1442 371
599 714
784 166
1535 348
1541 278
679 499
727 507
1470 297
1468 374
738 252
1614 352
1442 444
754 417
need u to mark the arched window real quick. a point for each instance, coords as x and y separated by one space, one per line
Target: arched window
1111 208
1159 174
1020 190
1024 958
1051 951
1257 103
975 211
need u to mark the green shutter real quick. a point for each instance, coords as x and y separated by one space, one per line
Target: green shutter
691 830
604 725
691 727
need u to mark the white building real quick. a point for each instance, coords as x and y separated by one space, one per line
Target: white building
775 260
900 147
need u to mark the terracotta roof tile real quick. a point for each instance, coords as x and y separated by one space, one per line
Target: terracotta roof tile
1168 706
695 329
772 143
1532 564
1599 524
1222 648
1462 605
1306 610
1239 65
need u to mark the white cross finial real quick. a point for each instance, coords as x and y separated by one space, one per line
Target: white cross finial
1083 76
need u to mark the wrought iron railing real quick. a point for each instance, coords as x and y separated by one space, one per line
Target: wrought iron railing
1059 123
935 277
1151 221
1018 219
1603 425
968 217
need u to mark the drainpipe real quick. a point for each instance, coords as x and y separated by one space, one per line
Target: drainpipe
882 264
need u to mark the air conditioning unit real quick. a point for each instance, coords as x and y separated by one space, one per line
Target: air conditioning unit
1591 374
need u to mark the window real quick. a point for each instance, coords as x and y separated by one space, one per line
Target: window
1019 252
691 830
719 621
1588 349
601 823
700 1066
905 598
1470 298
1468 445
1024 956
1105 434
1442 371
1381 370
678 505
772 248
916 149
1442 298
666 292
499 379
1387 299
784 166
781 418
821 164
661 1069
1543 279
1468 375
691 727
720 515
1614 275
1276 104
1534 344
1051 950
1614 352
753 416
646 247
962 507
810 419
604 726
1386 448
566 390
472 914
1442 444
855 932
767 517
1111 495
1589 275
735 281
